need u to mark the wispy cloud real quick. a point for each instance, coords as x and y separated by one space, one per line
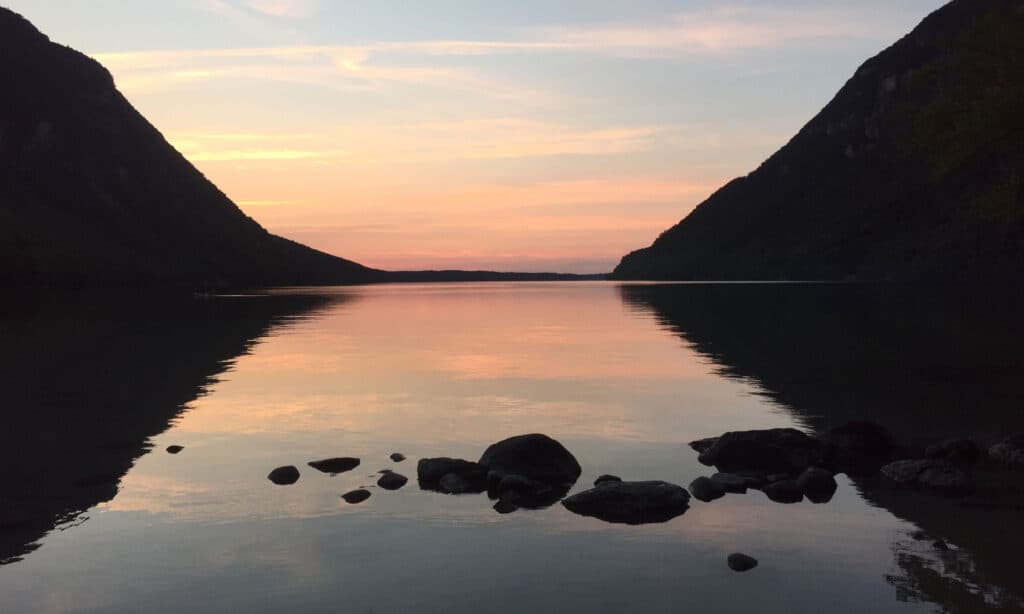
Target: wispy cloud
293 9
723 29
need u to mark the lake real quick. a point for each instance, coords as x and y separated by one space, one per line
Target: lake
97 516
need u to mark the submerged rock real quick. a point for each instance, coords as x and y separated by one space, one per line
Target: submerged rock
730 482
772 450
956 451
392 481
631 502
334 466
283 476
784 491
174 449
927 473
605 479
472 476
741 562
706 489
703 445
356 496
1009 452
535 457
819 485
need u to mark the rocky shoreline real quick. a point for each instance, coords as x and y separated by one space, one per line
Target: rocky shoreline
788 465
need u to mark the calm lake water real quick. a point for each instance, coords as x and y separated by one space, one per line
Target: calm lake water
96 516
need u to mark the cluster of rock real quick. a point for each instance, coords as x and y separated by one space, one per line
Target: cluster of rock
528 471
389 480
788 464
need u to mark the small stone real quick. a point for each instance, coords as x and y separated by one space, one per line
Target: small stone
392 481
706 490
283 476
784 491
397 457
356 496
741 562
818 484
730 482
174 449
334 466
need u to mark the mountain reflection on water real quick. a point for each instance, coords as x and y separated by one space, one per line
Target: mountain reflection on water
928 363
87 382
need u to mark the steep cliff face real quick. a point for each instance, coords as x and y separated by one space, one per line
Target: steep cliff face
91 193
915 170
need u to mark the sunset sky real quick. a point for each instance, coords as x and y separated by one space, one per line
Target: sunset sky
529 135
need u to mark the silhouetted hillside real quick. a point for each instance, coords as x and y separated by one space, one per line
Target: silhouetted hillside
91 193
914 170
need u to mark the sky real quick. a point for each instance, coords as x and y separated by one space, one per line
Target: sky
536 135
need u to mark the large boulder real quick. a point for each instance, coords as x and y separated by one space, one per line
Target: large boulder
1009 452
631 502
535 457
730 482
472 476
927 473
857 447
767 451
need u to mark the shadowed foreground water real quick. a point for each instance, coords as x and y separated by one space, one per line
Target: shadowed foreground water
97 516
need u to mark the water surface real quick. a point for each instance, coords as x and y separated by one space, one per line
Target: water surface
98 517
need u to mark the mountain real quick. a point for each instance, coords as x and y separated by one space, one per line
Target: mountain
915 170
92 194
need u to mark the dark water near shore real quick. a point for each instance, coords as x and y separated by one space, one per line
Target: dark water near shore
96 516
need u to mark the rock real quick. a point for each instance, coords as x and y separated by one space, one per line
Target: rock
857 447
631 502
535 457
1009 452
430 471
356 496
397 457
741 562
508 503
283 476
703 445
773 450
785 491
706 489
392 481
454 484
927 473
956 451
174 449
819 485
334 466
940 545
730 482
605 479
